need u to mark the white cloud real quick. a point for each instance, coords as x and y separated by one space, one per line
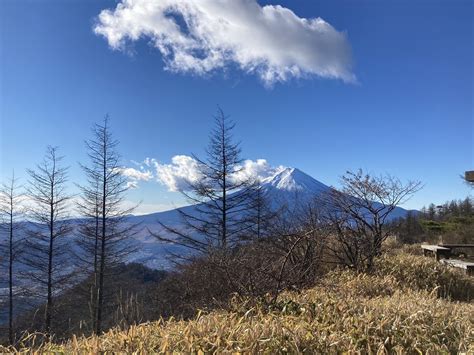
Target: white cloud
258 169
132 184
134 176
203 36
177 176
184 170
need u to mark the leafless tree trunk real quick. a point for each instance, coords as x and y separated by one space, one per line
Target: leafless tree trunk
105 231
260 213
11 214
47 255
219 219
88 207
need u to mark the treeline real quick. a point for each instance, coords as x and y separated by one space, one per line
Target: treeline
236 242
450 209
451 222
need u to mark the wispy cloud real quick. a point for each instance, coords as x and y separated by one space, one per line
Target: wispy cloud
134 176
184 170
203 36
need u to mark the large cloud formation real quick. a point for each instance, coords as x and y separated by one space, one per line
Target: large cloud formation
184 170
202 36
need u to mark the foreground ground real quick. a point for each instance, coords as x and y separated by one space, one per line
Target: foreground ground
410 305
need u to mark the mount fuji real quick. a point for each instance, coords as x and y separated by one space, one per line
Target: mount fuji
289 186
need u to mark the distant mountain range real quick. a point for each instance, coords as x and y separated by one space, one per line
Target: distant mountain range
289 186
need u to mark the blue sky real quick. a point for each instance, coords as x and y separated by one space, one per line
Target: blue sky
409 114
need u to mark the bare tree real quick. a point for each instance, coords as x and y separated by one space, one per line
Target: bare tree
104 232
11 214
358 214
47 251
260 212
218 219
88 238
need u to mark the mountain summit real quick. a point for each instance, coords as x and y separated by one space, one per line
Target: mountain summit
292 179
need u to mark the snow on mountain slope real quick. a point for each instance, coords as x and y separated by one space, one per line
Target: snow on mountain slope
292 179
292 187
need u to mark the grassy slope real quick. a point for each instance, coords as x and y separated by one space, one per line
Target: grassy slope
402 308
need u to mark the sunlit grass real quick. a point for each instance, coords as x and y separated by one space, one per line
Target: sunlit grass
404 307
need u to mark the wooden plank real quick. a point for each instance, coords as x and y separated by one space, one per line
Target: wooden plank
458 263
457 245
434 247
467 266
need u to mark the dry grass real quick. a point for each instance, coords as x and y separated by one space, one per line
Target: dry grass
396 310
425 273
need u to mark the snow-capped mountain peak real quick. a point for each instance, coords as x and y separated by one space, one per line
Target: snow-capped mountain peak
292 179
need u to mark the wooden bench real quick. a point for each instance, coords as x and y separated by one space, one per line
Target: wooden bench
467 266
457 246
440 252
452 246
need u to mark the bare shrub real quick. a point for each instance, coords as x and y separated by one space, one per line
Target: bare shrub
358 215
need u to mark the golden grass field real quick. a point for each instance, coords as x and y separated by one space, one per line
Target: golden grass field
407 306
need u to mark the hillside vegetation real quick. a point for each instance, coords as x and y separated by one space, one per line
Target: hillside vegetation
410 304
